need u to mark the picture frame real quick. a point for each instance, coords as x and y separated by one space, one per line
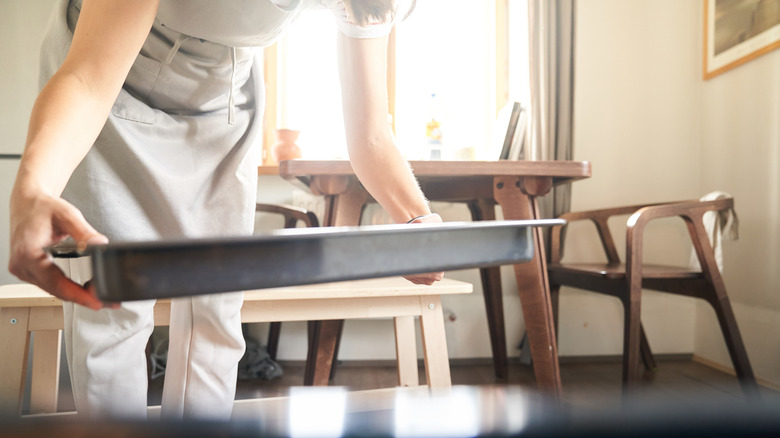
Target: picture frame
737 31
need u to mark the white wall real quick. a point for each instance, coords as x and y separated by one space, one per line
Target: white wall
636 120
22 24
740 111
655 130
21 30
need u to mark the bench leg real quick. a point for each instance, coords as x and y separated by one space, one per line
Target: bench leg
14 345
406 351
437 364
45 381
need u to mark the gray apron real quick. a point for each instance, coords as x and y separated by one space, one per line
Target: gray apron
179 152
177 157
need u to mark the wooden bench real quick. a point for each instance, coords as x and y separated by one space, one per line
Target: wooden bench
25 309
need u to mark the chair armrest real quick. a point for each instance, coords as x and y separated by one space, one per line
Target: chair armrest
290 213
685 209
692 212
600 218
602 213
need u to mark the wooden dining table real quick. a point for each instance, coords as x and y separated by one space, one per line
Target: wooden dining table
513 185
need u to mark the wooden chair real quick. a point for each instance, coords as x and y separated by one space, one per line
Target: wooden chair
292 215
626 281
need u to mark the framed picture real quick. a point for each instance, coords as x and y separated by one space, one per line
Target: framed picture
736 31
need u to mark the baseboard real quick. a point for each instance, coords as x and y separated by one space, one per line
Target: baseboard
729 370
663 357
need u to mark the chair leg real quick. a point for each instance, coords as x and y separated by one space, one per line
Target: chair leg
335 361
631 341
555 293
322 343
494 305
647 354
273 339
737 351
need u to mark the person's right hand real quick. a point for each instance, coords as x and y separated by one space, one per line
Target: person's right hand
430 277
38 221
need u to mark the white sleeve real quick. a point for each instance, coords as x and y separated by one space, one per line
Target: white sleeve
349 28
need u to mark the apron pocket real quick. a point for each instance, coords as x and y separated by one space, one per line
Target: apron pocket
143 75
129 108
139 83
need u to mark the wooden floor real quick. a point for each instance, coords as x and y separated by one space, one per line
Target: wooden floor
587 385
592 400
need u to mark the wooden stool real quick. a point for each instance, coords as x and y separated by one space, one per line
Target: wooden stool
25 309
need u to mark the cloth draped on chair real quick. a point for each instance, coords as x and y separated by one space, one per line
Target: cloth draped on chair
720 226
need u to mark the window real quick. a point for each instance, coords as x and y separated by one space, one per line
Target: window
460 50
309 92
517 37
446 48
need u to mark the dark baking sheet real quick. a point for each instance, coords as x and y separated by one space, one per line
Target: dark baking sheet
174 268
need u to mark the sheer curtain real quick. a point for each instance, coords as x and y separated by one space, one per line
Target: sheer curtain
551 53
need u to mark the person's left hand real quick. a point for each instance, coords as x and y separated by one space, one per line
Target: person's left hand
430 277
426 279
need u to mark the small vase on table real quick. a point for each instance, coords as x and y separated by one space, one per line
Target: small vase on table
286 147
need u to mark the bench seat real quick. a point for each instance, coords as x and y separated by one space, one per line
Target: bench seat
25 309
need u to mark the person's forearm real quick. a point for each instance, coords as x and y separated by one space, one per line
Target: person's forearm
65 121
387 177
372 151
73 106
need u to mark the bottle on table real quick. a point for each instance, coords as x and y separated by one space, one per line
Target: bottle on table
433 131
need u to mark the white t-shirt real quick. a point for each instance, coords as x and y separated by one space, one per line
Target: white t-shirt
254 23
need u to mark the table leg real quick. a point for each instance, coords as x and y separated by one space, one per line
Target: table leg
483 209
341 209
14 345
533 286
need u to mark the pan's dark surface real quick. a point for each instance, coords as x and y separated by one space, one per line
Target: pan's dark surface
168 269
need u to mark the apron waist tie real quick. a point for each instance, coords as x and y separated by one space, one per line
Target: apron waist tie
233 60
176 46
231 100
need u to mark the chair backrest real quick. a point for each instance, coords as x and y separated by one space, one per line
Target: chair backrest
600 219
693 213
292 215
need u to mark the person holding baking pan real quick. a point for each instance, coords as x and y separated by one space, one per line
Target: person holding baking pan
145 130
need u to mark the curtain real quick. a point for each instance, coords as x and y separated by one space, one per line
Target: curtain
551 53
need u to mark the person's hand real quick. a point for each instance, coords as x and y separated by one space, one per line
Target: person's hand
431 277
38 221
